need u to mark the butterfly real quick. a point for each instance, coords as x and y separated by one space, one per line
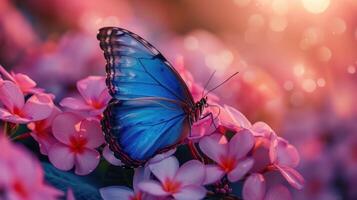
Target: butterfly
152 109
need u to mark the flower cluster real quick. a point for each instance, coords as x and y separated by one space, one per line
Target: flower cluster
231 151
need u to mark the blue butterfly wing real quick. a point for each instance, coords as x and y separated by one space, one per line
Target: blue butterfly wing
148 112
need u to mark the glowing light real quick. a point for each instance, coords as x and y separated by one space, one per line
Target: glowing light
241 3
191 43
351 69
299 69
256 21
219 61
321 82
337 26
324 54
278 24
316 6
309 85
280 7
288 85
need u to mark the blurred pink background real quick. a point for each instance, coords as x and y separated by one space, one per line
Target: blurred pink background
297 61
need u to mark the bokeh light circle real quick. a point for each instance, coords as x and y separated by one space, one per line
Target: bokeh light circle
316 6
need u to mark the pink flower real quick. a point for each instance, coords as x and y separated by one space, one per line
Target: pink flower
25 83
285 157
125 193
231 157
77 140
41 131
16 110
255 189
94 94
21 176
180 183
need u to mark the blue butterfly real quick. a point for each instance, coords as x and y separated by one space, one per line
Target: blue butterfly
152 109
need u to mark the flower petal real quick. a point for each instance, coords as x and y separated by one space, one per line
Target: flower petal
61 156
191 192
241 169
91 87
164 169
153 188
241 143
24 82
278 192
6 116
109 156
191 173
261 129
292 176
92 131
283 153
162 156
254 187
116 192
87 161
38 107
65 125
11 95
213 174
75 104
140 174
214 146
237 117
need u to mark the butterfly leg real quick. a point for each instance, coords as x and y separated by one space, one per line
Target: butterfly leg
212 119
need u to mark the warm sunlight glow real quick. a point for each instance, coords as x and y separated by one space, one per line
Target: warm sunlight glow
316 6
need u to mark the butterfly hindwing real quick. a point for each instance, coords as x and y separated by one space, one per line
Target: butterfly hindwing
148 112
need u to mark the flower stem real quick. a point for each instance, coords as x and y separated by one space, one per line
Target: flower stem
22 136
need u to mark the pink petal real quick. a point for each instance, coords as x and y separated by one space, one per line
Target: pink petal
261 129
191 192
11 95
61 156
141 174
75 104
86 161
213 174
292 176
214 146
164 169
38 107
91 87
241 143
24 82
241 169
116 192
283 153
237 117
254 187
153 188
278 192
191 173
91 130
109 156
104 97
45 141
162 156
6 116
65 125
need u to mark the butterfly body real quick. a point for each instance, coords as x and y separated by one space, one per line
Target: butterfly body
152 109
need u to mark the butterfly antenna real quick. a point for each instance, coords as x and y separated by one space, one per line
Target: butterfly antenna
210 78
221 83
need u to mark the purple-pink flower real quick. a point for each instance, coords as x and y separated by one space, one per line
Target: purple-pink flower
231 157
78 139
41 131
180 183
255 189
16 110
21 176
94 96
